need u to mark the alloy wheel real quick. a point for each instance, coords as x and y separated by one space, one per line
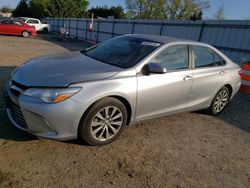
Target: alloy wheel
106 123
221 101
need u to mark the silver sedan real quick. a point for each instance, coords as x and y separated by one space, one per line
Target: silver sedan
94 94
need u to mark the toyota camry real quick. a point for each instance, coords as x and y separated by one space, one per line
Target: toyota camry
95 93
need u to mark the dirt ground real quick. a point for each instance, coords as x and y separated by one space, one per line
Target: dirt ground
183 150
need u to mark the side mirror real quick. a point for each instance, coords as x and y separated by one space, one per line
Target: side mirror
154 68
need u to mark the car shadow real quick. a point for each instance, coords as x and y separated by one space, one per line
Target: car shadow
237 113
71 44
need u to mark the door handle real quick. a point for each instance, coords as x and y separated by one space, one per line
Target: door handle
222 73
187 78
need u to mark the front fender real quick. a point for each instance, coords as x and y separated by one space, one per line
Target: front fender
94 91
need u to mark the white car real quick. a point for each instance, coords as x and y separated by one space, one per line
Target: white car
45 28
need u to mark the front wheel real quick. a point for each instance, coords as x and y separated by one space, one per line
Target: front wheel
104 122
220 101
25 34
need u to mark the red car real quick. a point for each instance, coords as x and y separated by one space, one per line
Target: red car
14 27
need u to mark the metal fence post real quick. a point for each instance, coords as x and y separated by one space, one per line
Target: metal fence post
69 20
113 28
133 28
97 31
57 28
162 25
86 30
201 31
77 28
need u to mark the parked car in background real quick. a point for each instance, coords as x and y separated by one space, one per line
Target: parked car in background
45 28
15 27
97 92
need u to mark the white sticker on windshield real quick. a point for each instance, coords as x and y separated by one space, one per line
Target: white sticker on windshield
146 43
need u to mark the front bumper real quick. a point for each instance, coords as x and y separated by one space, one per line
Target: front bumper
58 121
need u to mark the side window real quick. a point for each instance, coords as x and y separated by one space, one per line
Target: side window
33 22
203 56
218 60
17 23
5 22
173 58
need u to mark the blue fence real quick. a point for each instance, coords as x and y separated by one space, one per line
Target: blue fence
231 37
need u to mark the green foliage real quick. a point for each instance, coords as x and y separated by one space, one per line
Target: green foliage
196 16
166 9
51 8
22 9
117 12
144 9
39 8
6 9
66 8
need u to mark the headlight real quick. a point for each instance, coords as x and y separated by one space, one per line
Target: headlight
52 95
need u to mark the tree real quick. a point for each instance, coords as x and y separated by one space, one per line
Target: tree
66 8
144 9
104 11
39 8
22 9
196 16
6 9
51 8
167 9
183 9
219 14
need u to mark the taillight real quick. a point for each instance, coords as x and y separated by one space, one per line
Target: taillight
240 72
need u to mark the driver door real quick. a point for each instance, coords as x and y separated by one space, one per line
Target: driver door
161 94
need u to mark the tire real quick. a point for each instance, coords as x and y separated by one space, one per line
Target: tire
25 34
220 101
104 122
45 30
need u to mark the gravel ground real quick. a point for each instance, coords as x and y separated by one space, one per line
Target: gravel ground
183 150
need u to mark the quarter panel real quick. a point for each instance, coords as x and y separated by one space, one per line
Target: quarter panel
207 82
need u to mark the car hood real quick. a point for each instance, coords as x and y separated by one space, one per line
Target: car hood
62 70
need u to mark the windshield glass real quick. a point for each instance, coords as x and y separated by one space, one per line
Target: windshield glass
123 52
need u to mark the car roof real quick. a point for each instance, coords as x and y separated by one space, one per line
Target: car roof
28 18
158 38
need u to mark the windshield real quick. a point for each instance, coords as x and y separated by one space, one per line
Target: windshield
123 52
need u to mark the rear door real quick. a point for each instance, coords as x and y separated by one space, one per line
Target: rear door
160 94
5 27
210 75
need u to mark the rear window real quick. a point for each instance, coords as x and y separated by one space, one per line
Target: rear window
5 22
205 57
33 22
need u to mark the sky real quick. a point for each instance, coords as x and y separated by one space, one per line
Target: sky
234 9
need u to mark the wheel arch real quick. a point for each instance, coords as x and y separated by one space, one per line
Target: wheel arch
120 98
230 88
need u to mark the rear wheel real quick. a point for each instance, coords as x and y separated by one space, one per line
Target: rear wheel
220 101
104 122
45 30
25 34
